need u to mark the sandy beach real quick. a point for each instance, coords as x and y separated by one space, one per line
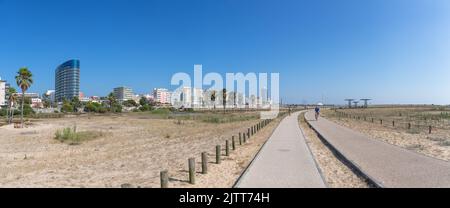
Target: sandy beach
133 150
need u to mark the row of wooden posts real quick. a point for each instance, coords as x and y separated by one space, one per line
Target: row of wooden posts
243 138
409 125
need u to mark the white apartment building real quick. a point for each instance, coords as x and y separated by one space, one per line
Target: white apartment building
162 95
123 93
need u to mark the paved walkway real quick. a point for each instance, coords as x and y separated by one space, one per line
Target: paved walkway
388 165
284 161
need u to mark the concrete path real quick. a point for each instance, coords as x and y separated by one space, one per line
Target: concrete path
388 165
285 161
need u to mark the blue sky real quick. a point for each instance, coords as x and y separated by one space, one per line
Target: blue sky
395 51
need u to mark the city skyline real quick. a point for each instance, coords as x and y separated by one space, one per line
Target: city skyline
324 51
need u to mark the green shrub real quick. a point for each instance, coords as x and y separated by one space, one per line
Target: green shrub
161 111
93 107
146 107
27 110
67 108
3 112
72 137
116 108
445 143
130 103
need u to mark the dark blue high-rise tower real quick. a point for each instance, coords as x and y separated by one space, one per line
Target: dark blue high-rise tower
67 80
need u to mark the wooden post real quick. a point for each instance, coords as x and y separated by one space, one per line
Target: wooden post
218 154
429 129
245 140
164 179
227 148
372 120
240 138
381 121
192 170
393 123
409 125
204 163
233 143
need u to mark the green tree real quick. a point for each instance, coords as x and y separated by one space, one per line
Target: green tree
224 99
114 106
94 107
235 99
143 101
130 103
76 103
27 110
24 80
46 100
213 98
67 106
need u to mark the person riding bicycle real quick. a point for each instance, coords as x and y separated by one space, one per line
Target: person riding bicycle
317 110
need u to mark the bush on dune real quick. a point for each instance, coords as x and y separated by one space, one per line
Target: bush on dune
72 137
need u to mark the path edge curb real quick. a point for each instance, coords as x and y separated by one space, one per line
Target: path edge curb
347 161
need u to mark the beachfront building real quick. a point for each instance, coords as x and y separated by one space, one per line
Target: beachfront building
29 95
197 97
2 93
123 93
263 98
33 97
67 80
162 96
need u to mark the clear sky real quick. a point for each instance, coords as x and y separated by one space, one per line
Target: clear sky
394 51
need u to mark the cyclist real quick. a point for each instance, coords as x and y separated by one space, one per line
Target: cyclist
317 110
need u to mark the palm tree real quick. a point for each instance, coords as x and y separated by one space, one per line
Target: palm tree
76 103
12 97
213 98
24 80
112 101
224 99
234 99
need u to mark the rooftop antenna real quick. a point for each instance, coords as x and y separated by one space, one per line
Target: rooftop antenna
349 102
356 103
366 100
